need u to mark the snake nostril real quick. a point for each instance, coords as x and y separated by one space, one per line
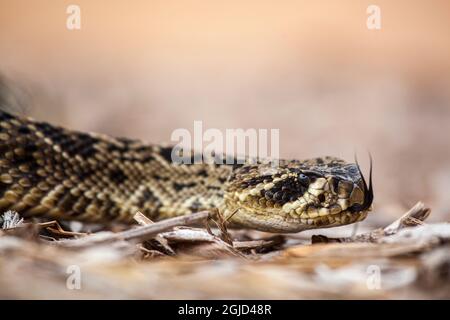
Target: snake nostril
321 197
334 185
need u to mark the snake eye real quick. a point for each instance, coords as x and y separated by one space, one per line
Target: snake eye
303 179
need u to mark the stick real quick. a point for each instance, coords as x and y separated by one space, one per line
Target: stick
143 221
138 234
416 215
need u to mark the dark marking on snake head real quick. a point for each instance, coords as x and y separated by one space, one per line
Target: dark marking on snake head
277 196
286 190
255 181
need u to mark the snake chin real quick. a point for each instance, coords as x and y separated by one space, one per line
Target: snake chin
279 222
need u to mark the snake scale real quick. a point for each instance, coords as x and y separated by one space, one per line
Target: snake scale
49 171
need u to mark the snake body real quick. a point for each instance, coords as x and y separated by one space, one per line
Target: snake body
50 171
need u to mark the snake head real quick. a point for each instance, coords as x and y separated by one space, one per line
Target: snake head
298 195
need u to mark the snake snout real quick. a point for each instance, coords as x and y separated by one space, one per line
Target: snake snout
362 203
357 199
353 193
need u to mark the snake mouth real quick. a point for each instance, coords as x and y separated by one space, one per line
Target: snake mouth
333 219
282 222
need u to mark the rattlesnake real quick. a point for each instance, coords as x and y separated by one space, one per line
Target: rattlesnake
49 171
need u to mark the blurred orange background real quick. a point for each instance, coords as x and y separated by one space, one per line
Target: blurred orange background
310 68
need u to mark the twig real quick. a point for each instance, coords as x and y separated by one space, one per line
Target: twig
138 234
416 215
200 243
143 221
221 224
59 230
253 244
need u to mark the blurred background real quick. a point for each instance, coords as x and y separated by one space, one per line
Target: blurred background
310 68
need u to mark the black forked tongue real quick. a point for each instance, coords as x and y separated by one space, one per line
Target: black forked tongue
368 191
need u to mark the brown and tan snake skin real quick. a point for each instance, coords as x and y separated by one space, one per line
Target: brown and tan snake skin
48 171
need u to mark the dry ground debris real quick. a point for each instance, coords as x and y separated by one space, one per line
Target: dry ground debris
172 259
